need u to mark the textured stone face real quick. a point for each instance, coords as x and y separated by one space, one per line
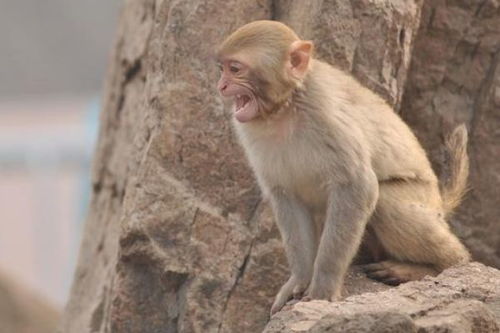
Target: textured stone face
371 39
455 77
462 299
22 311
178 238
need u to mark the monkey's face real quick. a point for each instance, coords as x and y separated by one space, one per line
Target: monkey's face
261 64
234 83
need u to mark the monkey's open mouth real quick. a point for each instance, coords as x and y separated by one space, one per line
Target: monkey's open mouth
241 102
245 107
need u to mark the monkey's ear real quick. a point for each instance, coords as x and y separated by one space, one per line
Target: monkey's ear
300 55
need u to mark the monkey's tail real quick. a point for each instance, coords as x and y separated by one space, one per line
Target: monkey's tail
455 186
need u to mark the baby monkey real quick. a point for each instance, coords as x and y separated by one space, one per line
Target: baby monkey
337 163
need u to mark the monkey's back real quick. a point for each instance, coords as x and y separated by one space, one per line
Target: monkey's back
395 151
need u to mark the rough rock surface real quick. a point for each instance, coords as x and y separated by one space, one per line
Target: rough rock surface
178 238
22 311
460 300
455 77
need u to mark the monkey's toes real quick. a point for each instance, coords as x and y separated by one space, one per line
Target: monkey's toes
393 272
383 273
306 299
298 295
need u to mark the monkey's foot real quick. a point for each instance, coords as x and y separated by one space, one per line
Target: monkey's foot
292 289
393 272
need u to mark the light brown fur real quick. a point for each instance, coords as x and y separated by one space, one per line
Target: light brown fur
332 157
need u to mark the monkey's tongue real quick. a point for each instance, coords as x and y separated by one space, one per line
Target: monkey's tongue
241 102
244 111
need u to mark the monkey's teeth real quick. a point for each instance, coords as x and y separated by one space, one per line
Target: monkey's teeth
241 101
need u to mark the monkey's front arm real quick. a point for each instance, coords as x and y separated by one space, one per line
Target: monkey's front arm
297 231
349 207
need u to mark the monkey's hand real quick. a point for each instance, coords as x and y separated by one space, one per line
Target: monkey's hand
293 288
322 288
326 294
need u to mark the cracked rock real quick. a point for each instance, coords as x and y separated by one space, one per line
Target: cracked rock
460 300
178 238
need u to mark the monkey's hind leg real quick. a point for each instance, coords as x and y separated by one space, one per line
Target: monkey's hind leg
409 224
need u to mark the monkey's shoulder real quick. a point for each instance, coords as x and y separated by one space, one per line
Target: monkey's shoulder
364 123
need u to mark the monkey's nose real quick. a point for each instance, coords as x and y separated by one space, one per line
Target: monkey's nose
222 86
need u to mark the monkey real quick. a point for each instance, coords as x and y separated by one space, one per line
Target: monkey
338 165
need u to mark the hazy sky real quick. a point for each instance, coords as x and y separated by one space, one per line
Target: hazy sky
55 46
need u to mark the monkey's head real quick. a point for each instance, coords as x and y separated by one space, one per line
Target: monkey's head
261 64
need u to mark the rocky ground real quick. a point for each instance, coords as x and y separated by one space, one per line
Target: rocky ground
178 238
460 300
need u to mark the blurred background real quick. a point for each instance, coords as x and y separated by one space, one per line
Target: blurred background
53 56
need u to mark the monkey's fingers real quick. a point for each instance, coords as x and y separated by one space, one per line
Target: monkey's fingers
382 273
278 304
306 299
392 281
299 292
376 270
298 295
394 272
284 295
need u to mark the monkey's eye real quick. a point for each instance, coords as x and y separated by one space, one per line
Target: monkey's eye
234 68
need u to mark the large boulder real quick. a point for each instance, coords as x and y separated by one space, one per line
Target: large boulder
178 238
24 311
460 300
455 77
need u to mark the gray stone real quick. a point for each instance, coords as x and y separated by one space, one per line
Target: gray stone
23 311
178 238
461 299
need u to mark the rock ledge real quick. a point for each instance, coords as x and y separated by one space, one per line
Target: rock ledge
461 299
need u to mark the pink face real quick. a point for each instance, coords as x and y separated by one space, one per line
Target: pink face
234 83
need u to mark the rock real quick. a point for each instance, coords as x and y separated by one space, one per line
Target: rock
454 77
371 39
23 311
461 299
178 238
